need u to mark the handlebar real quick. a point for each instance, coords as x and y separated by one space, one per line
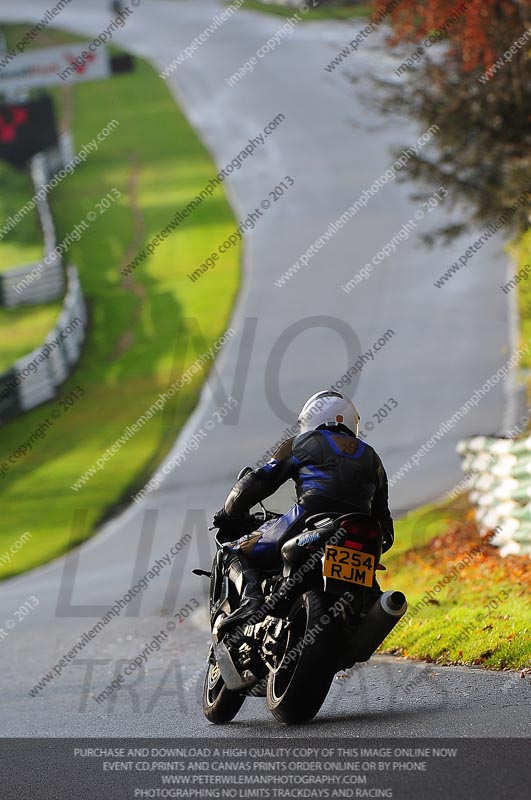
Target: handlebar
252 520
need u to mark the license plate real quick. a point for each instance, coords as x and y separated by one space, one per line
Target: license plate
345 564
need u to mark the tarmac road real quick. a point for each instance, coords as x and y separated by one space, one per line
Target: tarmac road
445 343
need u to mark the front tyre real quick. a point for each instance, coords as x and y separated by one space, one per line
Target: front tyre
298 685
220 705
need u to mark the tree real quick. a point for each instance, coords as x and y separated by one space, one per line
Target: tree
482 32
480 99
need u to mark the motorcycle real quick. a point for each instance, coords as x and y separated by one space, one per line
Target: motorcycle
318 618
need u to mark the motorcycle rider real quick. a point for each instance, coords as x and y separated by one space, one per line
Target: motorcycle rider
333 470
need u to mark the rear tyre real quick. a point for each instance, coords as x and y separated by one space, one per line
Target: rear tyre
220 705
298 686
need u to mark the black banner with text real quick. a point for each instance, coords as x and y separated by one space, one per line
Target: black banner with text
408 769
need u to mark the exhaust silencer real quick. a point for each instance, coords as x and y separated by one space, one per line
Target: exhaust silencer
378 624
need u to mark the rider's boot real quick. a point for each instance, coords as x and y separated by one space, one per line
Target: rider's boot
252 600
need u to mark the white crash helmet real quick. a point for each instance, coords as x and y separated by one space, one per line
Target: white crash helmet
328 408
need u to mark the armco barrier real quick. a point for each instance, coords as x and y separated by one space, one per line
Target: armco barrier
35 378
499 480
39 283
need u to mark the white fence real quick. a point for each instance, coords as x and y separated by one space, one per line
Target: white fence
499 480
36 377
39 282
40 373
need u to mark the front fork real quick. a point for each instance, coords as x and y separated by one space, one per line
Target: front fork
216 579
220 583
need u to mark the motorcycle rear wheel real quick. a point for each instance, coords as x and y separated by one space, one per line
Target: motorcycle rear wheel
298 686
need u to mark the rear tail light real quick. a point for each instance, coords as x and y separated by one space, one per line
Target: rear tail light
353 545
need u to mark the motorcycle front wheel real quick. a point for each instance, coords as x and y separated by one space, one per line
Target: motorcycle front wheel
299 684
220 705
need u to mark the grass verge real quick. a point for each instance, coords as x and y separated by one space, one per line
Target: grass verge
521 255
144 329
23 329
477 614
341 12
23 244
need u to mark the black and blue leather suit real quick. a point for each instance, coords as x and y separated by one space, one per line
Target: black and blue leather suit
333 471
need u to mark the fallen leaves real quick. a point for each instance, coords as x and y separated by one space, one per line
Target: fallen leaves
446 551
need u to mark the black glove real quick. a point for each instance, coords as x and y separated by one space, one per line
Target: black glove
221 518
